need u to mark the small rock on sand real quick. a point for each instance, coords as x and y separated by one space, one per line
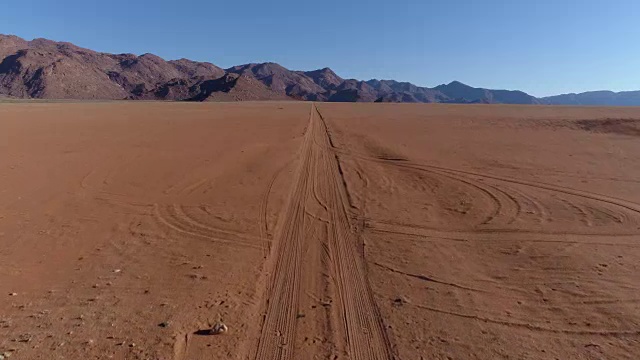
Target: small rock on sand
218 328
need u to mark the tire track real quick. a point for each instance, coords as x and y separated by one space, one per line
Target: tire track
534 327
181 216
427 234
174 224
264 203
508 209
315 256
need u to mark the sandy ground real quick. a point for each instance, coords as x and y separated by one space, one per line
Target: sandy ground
326 231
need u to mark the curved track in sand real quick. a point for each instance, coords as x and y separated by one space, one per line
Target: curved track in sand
527 206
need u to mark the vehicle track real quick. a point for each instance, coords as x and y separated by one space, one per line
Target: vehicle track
318 302
574 211
174 219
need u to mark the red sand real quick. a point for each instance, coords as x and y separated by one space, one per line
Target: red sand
342 231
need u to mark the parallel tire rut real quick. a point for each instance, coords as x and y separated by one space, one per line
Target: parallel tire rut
318 301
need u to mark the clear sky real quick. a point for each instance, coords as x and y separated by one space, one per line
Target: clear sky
543 47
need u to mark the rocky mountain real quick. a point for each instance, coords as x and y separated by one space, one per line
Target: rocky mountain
54 70
46 69
294 84
389 90
228 87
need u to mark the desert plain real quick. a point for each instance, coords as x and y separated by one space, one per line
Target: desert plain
318 231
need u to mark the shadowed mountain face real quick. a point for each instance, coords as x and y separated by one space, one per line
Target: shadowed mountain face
47 69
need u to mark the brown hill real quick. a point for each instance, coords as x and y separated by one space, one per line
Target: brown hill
42 73
229 87
241 88
51 70
326 78
294 84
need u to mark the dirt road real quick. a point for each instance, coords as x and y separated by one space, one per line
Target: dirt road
319 303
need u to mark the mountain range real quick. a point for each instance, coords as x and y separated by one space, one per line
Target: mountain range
45 69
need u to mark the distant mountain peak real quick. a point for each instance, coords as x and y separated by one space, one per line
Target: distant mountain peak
455 83
327 70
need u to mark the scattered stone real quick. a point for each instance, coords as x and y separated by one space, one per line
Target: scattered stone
218 328
132 345
24 338
117 271
300 315
399 301
197 276
164 324
13 294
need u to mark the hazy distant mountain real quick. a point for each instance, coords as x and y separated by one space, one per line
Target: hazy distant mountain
458 90
47 69
603 98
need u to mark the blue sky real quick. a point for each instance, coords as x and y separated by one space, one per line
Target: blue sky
543 47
